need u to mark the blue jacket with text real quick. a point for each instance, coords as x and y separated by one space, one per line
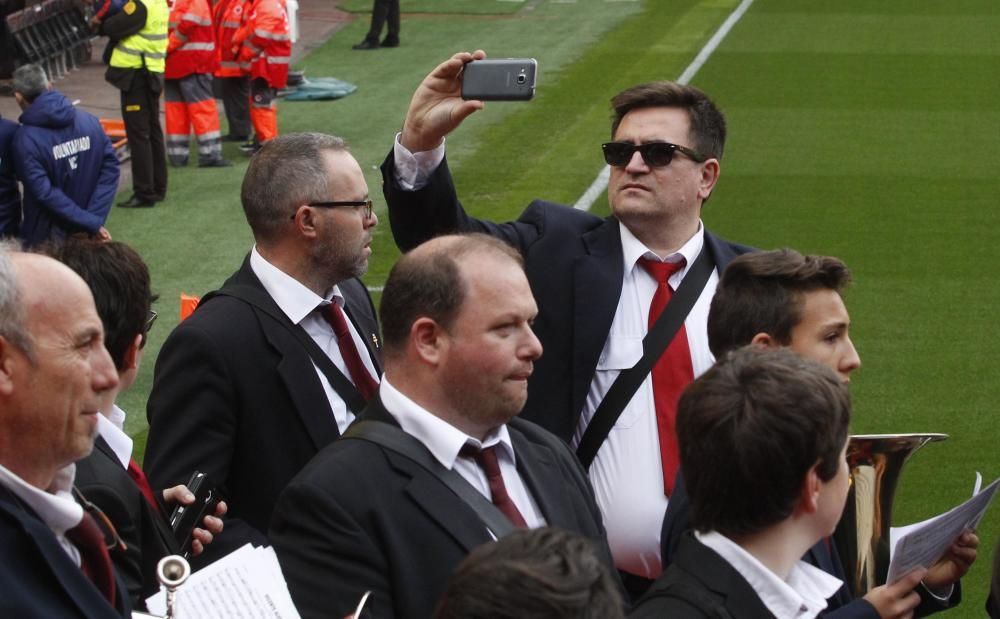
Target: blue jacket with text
68 168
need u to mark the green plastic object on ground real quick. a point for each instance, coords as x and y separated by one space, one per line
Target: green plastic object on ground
320 88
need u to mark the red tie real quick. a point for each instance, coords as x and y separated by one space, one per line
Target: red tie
360 376
94 558
672 372
140 480
487 460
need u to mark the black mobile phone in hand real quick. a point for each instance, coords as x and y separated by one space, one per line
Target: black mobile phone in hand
184 518
505 79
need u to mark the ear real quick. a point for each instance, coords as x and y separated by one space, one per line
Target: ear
765 340
132 353
809 495
709 176
428 340
7 365
305 221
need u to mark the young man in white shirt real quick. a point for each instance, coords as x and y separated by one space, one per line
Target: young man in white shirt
763 440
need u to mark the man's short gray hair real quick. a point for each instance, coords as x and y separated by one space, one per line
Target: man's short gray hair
12 314
30 80
285 173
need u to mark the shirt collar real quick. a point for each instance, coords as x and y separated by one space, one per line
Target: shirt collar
633 249
110 429
55 505
802 595
289 294
442 439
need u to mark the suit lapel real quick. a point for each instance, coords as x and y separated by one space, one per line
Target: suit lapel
76 585
537 466
597 286
441 505
295 368
430 494
356 298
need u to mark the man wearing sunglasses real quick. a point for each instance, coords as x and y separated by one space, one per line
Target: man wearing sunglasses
593 281
275 364
54 375
110 479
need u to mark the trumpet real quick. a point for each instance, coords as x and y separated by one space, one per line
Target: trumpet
862 535
172 571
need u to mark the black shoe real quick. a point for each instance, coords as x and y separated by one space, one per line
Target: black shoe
229 137
366 44
216 163
250 148
136 202
390 42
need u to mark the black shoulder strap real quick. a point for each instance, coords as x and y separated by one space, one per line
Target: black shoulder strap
340 383
653 345
394 439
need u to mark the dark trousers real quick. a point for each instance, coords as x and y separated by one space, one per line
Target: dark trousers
141 113
235 95
382 10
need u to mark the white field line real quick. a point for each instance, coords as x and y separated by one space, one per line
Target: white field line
600 183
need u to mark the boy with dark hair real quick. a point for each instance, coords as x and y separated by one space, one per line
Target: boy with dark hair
769 483
782 298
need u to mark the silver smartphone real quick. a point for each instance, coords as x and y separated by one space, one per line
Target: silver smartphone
504 79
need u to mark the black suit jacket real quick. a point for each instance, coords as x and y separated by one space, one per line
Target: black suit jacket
699 567
37 577
842 605
361 517
235 395
574 264
103 480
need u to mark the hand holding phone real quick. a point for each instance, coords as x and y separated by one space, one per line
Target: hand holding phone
505 79
184 518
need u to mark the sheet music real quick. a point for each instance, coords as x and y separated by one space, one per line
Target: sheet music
922 544
246 584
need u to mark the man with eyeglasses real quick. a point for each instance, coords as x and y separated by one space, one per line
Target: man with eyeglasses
275 364
110 479
595 284
54 375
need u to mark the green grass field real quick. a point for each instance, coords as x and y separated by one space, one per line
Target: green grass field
863 130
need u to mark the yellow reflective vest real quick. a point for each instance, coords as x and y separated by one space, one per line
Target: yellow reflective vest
148 47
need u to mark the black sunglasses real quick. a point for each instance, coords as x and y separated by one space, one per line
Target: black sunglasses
149 325
366 204
655 154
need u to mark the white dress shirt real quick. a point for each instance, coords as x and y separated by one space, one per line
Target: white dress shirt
627 474
112 430
55 505
300 305
800 596
444 441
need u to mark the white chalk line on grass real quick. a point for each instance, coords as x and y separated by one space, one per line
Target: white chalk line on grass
600 183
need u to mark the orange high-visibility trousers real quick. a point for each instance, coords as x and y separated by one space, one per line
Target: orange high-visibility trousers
263 110
190 103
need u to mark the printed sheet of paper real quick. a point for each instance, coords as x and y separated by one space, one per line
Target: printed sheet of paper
246 584
922 544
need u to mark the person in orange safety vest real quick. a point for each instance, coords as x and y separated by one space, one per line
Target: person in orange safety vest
265 49
191 60
233 84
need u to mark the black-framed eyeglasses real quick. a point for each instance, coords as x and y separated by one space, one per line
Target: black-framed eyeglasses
111 538
358 204
655 154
